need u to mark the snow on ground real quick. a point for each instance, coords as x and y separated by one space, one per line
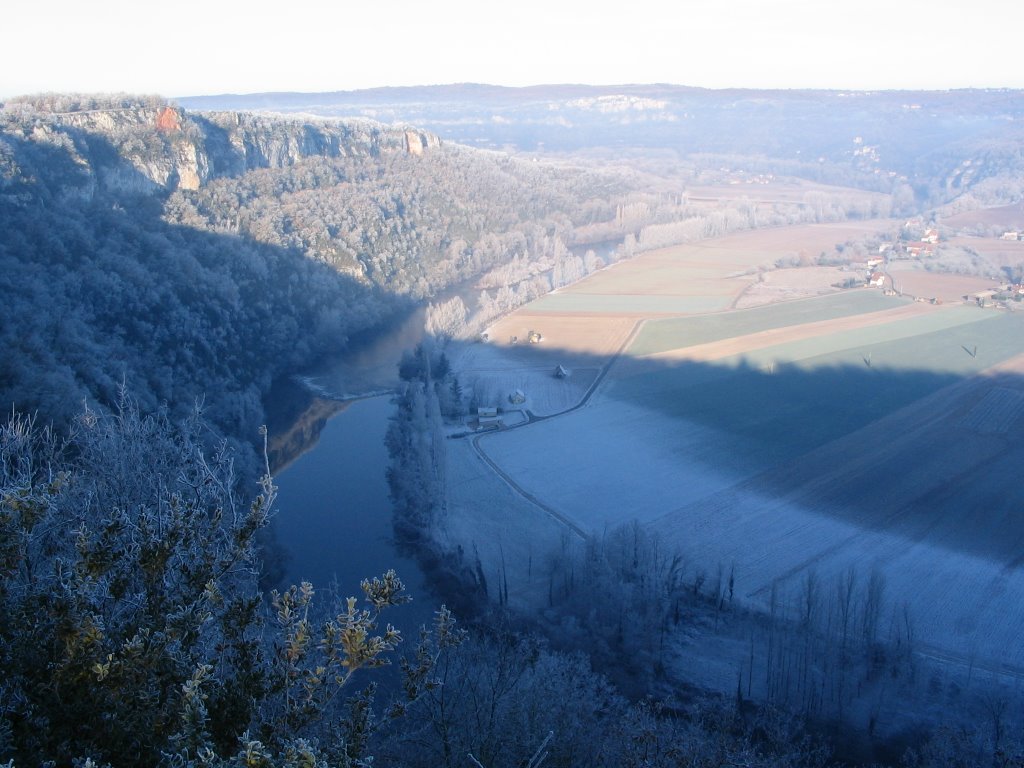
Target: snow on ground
612 463
491 521
954 563
544 394
920 494
493 374
960 603
602 466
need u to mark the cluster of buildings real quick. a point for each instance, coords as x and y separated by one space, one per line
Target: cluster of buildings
874 266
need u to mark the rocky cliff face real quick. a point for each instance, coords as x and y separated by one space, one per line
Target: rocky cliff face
149 148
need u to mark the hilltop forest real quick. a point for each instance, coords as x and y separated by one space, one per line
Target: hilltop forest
202 256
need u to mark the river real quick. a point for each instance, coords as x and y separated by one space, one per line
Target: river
334 517
333 522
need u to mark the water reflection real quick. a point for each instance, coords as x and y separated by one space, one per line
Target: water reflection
334 516
296 422
333 522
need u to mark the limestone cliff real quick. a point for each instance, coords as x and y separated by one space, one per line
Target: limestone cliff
147 148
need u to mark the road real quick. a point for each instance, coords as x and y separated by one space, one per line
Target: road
533 419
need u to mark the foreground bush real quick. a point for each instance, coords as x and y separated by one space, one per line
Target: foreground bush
132 631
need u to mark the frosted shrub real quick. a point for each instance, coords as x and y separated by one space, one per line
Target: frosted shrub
131 628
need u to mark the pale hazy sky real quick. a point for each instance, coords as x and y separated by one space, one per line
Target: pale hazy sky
193 47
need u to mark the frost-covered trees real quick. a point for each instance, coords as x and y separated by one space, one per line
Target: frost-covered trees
131 628
446 319
219 290
501 696
415 445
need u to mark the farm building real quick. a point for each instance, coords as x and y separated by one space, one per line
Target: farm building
487 416
917 251
517 397
981 298
535 337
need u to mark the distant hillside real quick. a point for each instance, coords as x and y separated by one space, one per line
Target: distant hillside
941 143
193 256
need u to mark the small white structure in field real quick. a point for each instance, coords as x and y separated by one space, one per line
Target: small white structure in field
487 416
561 372
517 397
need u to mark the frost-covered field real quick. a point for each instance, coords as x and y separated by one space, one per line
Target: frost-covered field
853 430
512 537
708 276
920 485
795 283
521 377
914 280
490 372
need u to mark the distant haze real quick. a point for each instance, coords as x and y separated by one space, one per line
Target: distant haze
192 47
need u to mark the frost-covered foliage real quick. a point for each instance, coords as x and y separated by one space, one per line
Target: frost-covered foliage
103 291
504 697
113 273
641 582
81 102
131 628
416 470
446 319
409 224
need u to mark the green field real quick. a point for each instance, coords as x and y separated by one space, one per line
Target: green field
781 401
630 304
673 333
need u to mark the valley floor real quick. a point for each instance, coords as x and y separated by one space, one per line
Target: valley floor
853 432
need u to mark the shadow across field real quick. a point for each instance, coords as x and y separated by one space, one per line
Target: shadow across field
926 455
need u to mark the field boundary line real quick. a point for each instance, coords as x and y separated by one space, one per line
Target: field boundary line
533 419
549 511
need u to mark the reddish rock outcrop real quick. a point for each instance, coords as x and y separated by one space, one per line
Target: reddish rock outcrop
167 120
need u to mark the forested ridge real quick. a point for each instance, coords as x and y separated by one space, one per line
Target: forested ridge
934 145
411 224
202 256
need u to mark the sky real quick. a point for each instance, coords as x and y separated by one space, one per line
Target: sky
198 47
